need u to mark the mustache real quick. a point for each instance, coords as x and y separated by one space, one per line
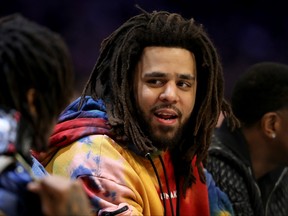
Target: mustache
167 106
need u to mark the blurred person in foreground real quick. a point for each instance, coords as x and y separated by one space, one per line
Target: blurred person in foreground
36 83
138 136
250 163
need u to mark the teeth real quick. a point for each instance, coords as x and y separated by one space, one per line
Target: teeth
166 116
163 114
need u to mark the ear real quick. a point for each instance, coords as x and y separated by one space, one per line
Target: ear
269 124
31 95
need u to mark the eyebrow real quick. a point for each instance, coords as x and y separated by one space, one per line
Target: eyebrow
161 74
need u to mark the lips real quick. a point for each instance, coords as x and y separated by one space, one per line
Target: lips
166 114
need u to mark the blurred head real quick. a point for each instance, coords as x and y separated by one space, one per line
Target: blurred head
260 97
36 75
113 79
262 89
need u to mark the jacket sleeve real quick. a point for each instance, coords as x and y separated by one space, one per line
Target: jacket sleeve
230 180
104 195
218 201
112 185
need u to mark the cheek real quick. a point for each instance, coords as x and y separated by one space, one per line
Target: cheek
189 103
146 97
284 134
285 140
280 144
189 110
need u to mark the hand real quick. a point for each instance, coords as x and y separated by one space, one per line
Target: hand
61 196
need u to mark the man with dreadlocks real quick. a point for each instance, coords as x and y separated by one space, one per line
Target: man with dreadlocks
139 134
36 83
250 163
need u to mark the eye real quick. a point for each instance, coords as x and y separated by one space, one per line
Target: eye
184 84
155 82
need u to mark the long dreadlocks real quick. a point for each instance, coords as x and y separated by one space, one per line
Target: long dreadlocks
112 77
34 57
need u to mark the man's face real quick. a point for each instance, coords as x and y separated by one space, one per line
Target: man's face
165 91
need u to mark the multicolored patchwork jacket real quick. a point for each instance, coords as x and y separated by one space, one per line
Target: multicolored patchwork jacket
118 180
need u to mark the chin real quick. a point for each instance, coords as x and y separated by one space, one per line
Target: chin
165 142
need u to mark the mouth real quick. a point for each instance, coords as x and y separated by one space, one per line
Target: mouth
166 116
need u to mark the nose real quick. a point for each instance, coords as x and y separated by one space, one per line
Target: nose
169 93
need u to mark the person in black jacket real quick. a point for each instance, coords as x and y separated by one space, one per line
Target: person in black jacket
249 163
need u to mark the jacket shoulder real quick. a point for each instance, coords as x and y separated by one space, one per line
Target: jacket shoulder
231 176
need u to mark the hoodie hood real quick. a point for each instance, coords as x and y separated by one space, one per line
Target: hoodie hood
75 123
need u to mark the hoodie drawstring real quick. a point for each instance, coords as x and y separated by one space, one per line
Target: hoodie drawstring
148 156
167 183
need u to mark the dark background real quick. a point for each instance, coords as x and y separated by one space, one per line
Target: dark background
244 32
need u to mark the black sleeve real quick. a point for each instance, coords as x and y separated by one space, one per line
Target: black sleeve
229 180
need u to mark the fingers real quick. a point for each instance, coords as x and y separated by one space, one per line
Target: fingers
61 196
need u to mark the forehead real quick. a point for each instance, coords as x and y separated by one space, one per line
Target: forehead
160 52
167 59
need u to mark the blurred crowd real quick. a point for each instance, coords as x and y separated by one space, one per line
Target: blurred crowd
244 32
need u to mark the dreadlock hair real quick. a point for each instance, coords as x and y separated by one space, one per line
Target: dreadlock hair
34 57
112 78
262 88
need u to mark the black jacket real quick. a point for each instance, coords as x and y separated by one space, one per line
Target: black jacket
229 163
